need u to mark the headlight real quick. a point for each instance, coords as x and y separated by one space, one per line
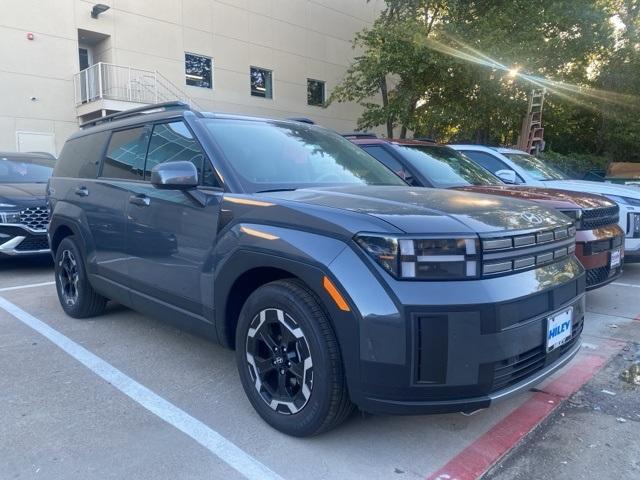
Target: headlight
575 215
424 258
624 200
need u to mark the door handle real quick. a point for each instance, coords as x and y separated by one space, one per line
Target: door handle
82 191
140 200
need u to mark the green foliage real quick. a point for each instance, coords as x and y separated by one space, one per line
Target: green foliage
440 68
575 164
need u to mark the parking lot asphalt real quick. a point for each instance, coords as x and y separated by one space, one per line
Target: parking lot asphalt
126 396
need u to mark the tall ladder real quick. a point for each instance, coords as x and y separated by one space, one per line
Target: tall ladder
531 136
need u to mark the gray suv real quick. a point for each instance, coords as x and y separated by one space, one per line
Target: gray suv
336 283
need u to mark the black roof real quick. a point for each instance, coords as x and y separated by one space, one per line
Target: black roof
163 111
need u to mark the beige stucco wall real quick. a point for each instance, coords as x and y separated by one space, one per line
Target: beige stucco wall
297 39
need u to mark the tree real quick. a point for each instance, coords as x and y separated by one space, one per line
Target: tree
441 67
395 65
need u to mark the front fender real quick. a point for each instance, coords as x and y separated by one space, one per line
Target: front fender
248 247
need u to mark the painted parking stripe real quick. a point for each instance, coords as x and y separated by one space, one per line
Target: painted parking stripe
472 462
31 285
625 284
201 433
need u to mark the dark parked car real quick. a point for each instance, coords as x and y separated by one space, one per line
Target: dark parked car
335 282
599 240
23 210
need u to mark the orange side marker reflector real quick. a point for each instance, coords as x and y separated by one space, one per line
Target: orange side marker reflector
335 294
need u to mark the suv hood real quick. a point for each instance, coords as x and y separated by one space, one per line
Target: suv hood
602 188
22 193
429 210
551 197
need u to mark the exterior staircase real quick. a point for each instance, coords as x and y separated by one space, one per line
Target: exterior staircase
105 88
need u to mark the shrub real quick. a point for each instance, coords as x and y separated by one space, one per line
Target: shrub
576 164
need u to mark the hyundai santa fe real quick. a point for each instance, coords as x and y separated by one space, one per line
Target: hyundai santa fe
23 209
337 284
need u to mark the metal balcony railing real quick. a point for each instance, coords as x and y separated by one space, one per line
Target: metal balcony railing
116 82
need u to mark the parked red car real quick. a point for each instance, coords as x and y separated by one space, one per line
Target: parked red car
599 239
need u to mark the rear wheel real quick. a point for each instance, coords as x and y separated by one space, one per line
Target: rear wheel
289 360
76 295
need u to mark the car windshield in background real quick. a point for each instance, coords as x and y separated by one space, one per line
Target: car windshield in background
444 167
25 170
280 155
535 167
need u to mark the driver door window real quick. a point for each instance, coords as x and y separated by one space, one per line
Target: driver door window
384 157
489 162
172 142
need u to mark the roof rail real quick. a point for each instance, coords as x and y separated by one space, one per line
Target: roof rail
301 120
359 135
157 107
426 139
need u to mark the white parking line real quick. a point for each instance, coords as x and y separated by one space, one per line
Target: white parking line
31 285
201 433
625 284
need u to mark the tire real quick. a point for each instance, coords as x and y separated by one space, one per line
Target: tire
286 313
76 295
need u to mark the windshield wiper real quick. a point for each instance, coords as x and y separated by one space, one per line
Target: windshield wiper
277 190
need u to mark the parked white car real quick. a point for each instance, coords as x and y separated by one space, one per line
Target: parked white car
516 166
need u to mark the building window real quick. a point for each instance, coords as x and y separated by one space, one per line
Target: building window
315 92
198 71
261 82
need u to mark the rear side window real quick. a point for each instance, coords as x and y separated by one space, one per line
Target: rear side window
125 155
80 157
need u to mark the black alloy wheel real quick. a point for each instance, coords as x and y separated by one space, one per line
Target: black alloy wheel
279 361
76 294
68 277
289 360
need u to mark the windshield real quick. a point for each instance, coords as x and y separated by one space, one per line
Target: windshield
25 170
444 167
280 155
535 167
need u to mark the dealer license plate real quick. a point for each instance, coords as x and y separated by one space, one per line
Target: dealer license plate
615 258
559 329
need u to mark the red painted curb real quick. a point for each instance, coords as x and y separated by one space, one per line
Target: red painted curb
478 457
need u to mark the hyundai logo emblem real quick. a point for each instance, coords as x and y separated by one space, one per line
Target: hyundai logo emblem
532 217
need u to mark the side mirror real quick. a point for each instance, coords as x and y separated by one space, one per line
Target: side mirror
178 175
507 176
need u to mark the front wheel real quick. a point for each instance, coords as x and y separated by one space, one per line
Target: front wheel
76 295
289 361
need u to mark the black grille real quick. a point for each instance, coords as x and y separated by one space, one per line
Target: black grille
35 218
509 253
32 243
513 370
599 275
599 217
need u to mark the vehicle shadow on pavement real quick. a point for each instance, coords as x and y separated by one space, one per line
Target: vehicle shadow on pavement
40 262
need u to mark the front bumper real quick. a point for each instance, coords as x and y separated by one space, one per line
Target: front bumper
438 347
594 249
20 240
